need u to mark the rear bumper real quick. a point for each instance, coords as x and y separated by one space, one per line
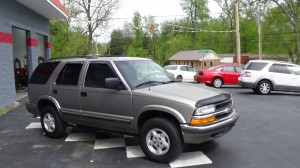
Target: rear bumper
32 108
246 84
199 134
203 79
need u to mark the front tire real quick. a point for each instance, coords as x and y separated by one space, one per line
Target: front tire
51 122
161 140
264 87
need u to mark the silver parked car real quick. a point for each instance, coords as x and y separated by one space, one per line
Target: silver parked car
130 95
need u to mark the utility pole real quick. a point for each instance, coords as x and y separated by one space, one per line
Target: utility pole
259 36
237 26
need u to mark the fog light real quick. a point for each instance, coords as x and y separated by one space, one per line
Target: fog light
197 121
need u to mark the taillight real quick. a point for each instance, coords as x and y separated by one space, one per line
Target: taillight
200 72
247 74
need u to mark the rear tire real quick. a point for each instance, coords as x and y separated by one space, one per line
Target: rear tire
217 82
161 140
264 87
254 90
179 78
51 122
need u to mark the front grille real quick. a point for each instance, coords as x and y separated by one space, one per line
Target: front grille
224 109
224 105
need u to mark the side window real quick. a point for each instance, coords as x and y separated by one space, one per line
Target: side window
238 69
255 66
43 72
69 75
96 74
183 68
278 68
295 70
228 69
190 69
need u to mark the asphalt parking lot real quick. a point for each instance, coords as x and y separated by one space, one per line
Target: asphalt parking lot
266 135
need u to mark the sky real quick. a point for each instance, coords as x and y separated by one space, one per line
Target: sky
165 9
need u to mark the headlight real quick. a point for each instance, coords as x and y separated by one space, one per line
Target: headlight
205 110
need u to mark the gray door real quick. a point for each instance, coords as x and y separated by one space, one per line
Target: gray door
66 91
103 107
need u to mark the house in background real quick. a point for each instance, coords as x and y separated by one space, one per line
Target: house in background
198 59
24 41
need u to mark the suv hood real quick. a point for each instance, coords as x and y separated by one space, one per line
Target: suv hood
189 91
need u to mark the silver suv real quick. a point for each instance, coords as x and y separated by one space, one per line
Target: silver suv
129 95
263 76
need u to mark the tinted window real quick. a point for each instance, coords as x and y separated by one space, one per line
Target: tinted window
255 66
294 70
170 67
69 75
190 69
228 69
96 74
278 68
238 69
42 72
183 68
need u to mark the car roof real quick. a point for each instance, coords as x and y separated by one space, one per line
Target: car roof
273 61
95 58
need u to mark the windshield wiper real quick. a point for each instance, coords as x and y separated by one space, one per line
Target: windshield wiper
148 82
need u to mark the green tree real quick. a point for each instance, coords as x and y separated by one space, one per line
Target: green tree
198 13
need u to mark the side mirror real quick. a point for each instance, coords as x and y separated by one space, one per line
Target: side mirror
112 83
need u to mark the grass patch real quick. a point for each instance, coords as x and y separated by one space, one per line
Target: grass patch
9 107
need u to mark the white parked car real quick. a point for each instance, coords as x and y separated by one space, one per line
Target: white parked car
181 72
263 76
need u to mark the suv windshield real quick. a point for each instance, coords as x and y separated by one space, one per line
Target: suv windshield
143 73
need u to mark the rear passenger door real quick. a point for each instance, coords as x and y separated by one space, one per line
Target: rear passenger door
295 77
102 107
229 75
280 76
66 90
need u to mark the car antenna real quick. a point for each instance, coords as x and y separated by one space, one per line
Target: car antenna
148 72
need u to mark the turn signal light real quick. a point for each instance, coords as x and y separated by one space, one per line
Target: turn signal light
196 121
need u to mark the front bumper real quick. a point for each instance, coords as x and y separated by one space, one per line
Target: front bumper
199 134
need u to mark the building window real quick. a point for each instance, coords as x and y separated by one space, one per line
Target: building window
205 64
211 63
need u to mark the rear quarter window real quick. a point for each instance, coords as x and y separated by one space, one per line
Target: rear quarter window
255 66
42 73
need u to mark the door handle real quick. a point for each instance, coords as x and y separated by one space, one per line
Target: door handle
83 94
54 91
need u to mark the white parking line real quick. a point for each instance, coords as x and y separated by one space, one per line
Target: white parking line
109 143
34 125
191 159
134 151
81 137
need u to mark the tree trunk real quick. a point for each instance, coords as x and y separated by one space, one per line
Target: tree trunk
297 38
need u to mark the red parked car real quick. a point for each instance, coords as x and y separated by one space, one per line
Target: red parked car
216 76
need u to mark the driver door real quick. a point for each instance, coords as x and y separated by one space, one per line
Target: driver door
106 108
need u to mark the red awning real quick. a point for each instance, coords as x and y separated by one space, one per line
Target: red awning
51 9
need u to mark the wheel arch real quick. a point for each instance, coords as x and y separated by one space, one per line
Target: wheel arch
47 100
152 111
265 79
